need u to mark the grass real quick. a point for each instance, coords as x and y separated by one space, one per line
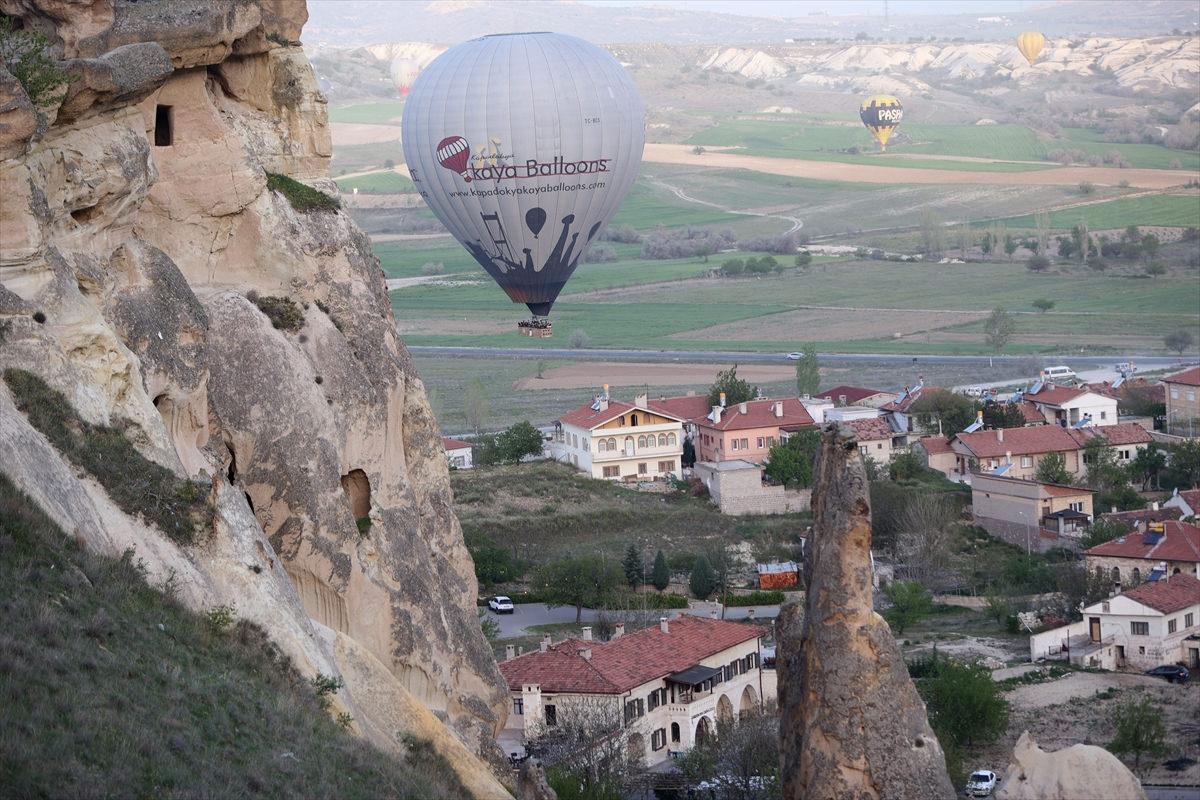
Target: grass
110 688
137 485
1161 209
388 182
284 313
545 510
378 113
303 198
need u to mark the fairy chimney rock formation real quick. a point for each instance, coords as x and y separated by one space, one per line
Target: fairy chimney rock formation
851 722
1081 770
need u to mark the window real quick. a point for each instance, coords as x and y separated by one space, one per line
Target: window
745 444
1026 461
674 731
1136 576
862 450
662 440
633 420
1139 628
612 445
1077 507
658 739
1174 393
641 441
599 445
652 700
1116 575
671 440
1191 396
518 706
551 716
1171 624
1141 651
642 468
634 709
760 442
879 446
612 472
666 466
1124 455
1103 415
733 444
586 445
164 125
1188 620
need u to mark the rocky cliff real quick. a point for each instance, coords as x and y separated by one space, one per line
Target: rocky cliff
161 270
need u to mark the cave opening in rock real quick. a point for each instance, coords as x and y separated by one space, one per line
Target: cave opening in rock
358 491
85 215
231 473
164 126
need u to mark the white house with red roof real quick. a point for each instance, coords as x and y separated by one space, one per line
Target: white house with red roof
1183 403
661 689
1017 452
842 396
1069 407
458 453
619 441
1168 548
1187 501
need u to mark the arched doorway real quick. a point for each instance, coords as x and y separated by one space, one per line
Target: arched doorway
675 732
724 711
704 731
749 701
635 749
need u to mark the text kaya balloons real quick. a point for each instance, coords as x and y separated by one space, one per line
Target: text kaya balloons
524 145
881 114
1030 43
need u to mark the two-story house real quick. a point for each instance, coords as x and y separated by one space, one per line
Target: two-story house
1069 408
1030 514
1168 547
748 430
1183 403
1016 452
619 441
661 689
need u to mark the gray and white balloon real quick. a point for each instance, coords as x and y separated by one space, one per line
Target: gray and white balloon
524 145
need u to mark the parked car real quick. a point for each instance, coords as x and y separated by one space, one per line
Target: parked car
501 604
1172 672
1059 374
981 783
795 356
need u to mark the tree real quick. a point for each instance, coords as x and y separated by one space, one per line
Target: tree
578 581
688 457
490 627
1178 341
933 232
1150 244
1108 477
29 57
1043 305
1079 237
733 267
517 442
1101 531
803 259
1053 469
660 576
632 564
1183 471
965 705
790 463
541 368
1010 245
477 407
1140 732
910 601
736 390
1079 587
808 373
1002 415
925 538
702 581
742 759
985 244
944 411
1147 465
578 339
585 748
1038 264
998 329
1156 268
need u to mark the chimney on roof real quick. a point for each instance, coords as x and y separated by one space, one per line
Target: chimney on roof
749 613
585 653
779 408
641 401
546 643
662 625
520 649
920 381
1154 506
1008 456
999 434
842 401
510 652
602 401
618 631
979 415
1114 509
606 391
742 407
691 393
722 401
587 633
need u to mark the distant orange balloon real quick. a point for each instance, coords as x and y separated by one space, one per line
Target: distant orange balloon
1030 43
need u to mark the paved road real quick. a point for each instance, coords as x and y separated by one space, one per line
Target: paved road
1172 793
1145 363
527 615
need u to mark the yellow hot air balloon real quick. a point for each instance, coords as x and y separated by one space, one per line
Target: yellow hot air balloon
1030 43
881 114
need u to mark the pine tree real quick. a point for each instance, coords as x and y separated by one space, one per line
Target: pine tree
808 373
633 566
703 582
661 575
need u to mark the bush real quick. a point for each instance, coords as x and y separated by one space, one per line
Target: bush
759 598
137 485
26 54
1038 263
803 259
303 198
625 234
283 312
1087 187
703 582
578 339
432 268
600 254
686 242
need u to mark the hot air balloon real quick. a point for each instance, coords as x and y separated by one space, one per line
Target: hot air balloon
404 72
1030 43
881 114
524 145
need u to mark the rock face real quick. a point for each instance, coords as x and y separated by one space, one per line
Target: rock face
1081 770
135 230
851 722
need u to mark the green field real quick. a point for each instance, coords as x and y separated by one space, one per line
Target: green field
382 113
1168 210
378 183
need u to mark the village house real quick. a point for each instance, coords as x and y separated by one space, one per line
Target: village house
458 453
662 689
748 430
1153 624
935 452
1030 514
899 412
842 396
619 441
1016 452
1188 503
689 408
1139 518
1183 403
1069 408
1164 547
876 439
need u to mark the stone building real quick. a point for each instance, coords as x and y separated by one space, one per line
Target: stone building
1167 547
737 488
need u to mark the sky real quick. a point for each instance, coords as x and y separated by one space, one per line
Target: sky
802 8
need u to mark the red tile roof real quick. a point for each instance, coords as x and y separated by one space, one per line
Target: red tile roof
1031 414
1130 519
689 407
454 444
870 430
1190 377
935 445
585 417
853 394
1019 441
627 662
1168 594
1180 542
1192 498
760 414
903 402
1121 433
1052 395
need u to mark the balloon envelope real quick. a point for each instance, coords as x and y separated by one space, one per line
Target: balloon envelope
515 135
404 71
1030 43
881 114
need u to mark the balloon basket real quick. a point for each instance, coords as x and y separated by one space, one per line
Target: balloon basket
540 328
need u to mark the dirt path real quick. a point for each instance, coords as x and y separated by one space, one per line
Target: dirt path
797 223
867 173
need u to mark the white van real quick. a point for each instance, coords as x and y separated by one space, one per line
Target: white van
1058 374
